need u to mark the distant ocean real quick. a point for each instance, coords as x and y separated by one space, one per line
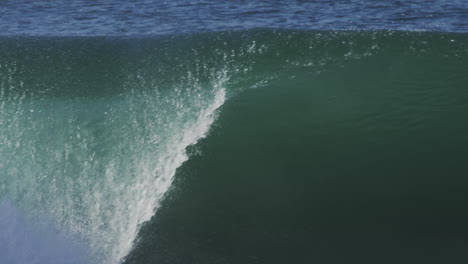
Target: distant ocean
233 132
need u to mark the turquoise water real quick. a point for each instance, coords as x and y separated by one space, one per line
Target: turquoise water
251 146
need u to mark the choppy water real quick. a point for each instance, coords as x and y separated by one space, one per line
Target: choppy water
117 18
150 132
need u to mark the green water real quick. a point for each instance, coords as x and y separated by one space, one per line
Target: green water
363 163
284 146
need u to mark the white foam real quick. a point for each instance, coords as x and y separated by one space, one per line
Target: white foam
100 169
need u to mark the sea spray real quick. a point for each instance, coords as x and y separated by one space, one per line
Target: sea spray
100 166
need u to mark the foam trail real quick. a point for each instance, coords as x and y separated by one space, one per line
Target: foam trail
156 175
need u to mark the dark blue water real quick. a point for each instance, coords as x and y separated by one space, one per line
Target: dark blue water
119 18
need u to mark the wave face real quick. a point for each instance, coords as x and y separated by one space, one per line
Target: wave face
352 150
93 129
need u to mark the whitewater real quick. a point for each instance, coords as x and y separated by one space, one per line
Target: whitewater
94 168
